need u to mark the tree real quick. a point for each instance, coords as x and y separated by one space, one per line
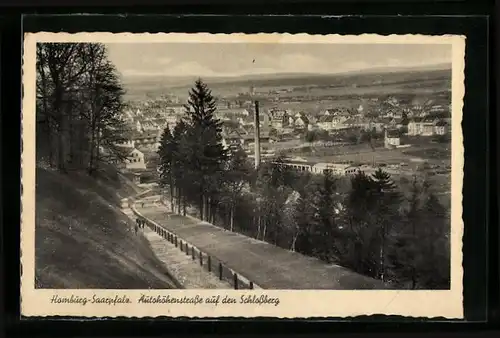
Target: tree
387 210
204 156
183 159
167 151
205 134
236 177
310 136
420 254
404 247
105 99
79 100
60 66
291 217
324 224
433 263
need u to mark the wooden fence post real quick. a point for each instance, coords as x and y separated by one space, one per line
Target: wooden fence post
209 264
220 271
182 249
251 285
201 258
192 252
187 249
235 278
176 241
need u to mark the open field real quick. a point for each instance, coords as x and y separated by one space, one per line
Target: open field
83 240
364 154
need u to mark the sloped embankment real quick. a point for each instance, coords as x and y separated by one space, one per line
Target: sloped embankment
83 240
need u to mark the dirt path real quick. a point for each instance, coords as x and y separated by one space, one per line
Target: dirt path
186 271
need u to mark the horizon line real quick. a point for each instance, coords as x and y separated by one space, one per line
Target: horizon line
291 72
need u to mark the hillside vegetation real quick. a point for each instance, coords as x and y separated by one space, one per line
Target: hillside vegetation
83 240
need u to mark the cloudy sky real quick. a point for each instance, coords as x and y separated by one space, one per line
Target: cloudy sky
233 59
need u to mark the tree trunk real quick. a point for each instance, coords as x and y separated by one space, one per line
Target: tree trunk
92 150
171 194
258 227
50 142
294 241
184 205
71 136
264 231
46 112
202 203
231 226
208 209
97 150
179 201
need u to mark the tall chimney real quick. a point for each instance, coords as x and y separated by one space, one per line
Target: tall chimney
257 135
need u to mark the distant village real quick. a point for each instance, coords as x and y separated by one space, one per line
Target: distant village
390 118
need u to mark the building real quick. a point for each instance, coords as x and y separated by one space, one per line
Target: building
135 160
138 126
148 140
298 165
278 119
329 122
352 170
336 112
392 138
422 126
301 122
126 139
241 138
232 139
337 169
441 128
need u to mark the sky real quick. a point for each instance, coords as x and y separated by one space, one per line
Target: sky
236 59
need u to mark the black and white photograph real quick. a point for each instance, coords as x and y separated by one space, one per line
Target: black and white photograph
225 162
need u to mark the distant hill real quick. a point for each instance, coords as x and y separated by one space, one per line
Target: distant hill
142 84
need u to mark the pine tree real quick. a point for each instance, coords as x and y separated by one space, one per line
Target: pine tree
206 152
324 222
387 213
433 254
182 163
167 150
402 251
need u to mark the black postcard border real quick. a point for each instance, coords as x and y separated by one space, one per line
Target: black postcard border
477 142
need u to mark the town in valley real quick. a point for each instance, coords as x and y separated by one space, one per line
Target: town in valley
314 166
402 126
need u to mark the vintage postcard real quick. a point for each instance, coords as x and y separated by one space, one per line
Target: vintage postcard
242 175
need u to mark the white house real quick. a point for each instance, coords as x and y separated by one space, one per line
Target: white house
422 126
301 122
128 143
334 168
441 128
392 138
352 170
326 122
330 122
138 126
135 160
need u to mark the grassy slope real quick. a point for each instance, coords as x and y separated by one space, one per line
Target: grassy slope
84 241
